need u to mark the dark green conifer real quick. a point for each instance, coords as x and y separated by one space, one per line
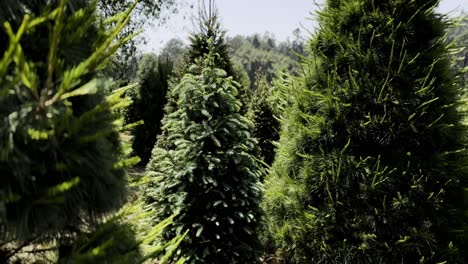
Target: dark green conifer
60 153
372 159
210 34
149 98
209 178
266 123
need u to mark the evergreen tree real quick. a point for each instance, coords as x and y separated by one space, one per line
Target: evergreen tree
210 35
210 178
372 159
266 124
60 154
60 151
149 98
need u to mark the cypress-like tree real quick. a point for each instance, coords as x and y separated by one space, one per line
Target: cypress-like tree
210 178
149 98
372 161
60 154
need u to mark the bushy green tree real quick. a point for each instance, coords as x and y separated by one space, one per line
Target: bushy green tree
60 152
149 98
372 159
210 177
209 34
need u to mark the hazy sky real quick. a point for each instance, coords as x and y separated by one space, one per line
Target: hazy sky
279 17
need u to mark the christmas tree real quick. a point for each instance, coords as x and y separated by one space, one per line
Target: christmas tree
210 178
372 162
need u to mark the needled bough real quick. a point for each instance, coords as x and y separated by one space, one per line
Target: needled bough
371 166
60 154
210 178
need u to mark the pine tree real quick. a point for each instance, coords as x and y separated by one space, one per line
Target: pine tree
149 98
210 178
372 162
60 153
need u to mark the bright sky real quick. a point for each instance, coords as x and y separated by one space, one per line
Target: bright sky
245 17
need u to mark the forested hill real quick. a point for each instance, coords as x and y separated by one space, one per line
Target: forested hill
255 56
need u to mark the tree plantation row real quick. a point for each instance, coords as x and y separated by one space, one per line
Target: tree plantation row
350 147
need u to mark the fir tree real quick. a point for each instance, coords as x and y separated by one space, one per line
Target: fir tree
372 162
209 34
210 178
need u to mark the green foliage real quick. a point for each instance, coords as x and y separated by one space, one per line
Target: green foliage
111 242
173 50
149 98
266 123
147 9
261 59
285 88
458 36
372 162
458 33
211 35
209 177
60 151
127 237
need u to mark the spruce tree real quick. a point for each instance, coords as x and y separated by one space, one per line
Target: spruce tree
149 98
210 178
372 162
